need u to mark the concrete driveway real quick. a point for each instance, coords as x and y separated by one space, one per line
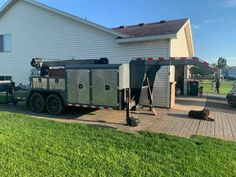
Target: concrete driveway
171 121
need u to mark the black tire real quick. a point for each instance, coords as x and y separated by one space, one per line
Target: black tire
15 103
37 103
232 105
54 104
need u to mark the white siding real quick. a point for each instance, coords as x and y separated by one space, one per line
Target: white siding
232 73
161 89
37 32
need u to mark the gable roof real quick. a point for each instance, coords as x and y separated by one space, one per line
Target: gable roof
157 31
10 3
152 29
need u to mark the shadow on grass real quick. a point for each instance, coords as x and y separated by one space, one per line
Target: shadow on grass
102 126
100 121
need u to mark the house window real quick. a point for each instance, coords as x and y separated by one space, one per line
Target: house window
5 43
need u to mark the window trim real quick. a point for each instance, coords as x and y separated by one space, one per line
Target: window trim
10 40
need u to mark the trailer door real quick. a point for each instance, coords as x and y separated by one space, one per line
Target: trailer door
105 87
78 86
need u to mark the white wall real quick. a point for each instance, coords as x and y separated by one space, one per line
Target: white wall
36 32
161 89
232 73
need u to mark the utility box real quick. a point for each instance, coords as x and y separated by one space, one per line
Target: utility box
105 85
56 84
78 86
124 76
40 82
96 85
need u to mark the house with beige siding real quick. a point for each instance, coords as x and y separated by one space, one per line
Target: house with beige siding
29 29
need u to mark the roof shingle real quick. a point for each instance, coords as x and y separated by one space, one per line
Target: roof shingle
152 29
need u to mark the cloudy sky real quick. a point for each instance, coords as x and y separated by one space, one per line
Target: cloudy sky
213 21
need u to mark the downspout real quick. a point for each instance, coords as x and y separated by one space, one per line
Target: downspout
168 83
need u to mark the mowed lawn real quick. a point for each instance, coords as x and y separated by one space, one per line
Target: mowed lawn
35 147
225 86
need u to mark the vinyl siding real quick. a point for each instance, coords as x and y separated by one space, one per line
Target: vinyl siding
161 88
36 32
179 46
231 73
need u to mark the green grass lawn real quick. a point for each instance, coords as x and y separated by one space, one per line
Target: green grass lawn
225 87
4 98
35 147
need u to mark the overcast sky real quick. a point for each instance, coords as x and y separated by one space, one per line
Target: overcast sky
213 21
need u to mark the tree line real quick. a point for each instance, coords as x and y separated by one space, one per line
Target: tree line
202 71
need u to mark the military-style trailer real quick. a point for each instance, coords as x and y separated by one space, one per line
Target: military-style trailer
93 83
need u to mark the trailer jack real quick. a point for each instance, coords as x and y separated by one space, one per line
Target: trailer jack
130 120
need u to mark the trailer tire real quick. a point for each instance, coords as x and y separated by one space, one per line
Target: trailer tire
54 104
15 103
37 103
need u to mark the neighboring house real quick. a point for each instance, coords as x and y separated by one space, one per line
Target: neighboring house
29 29
230 73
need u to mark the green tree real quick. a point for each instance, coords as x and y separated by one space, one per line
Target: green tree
204 71
222 63
196 70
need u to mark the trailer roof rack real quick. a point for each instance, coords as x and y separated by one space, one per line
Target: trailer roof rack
177 61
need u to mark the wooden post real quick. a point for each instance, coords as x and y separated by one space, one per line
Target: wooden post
127 105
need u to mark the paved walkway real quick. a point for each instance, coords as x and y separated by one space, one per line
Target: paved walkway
176 121
171 121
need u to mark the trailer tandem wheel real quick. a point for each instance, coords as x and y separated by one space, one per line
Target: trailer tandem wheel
37 103
54 104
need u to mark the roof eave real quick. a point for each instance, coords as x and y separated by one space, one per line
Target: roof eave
97 26
146 38
9 3
6 6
